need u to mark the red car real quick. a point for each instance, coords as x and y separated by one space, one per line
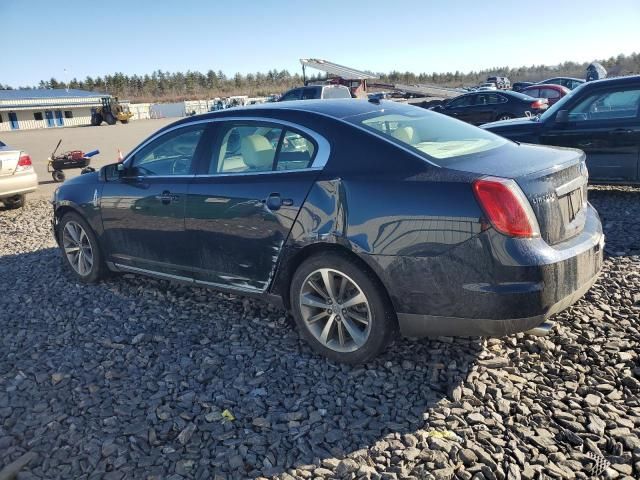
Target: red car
551 92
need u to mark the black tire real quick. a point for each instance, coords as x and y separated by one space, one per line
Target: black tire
504 116
382 318
124 121
17 201
110 119
96 119
98 268
58 176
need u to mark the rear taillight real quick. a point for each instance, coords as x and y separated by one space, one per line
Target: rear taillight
506 207
540 103
24 162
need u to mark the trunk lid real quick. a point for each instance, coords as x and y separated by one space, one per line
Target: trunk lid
8 161
554 180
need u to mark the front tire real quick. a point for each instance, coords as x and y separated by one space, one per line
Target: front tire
341 309
58 176
80 250
110 119
17 201
96 119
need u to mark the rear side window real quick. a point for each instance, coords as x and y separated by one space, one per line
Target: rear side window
311 93
532 92
255 148
336 92
292 95
435 137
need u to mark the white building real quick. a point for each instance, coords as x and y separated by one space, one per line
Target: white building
46 108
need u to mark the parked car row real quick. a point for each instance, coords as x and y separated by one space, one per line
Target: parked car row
601 118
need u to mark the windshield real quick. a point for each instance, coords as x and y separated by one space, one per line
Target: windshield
551 111
436 137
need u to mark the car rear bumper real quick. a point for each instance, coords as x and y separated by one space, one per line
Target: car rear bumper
493 285
18 184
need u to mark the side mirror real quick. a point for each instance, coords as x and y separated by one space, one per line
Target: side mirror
562 116
120 168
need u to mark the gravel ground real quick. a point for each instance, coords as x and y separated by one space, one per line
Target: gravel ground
138 378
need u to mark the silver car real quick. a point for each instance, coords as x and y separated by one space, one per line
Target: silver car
17 176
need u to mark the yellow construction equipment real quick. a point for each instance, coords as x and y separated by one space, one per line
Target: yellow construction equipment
110 111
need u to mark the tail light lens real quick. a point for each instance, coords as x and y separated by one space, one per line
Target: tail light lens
24 163
540 103
506 207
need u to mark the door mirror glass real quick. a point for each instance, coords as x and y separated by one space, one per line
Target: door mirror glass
562 116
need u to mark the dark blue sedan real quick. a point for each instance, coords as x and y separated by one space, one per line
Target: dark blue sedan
361 218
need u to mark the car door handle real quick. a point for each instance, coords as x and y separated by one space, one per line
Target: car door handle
167 197
274 201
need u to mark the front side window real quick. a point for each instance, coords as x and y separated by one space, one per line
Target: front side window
171 154
256 148
607 105
461 102
433 136
310 93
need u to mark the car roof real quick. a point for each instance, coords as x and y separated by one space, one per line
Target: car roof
628 80
336 108
563 78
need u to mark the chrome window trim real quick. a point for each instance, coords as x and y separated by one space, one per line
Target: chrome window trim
320 160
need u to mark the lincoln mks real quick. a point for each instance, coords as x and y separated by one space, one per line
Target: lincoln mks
362 218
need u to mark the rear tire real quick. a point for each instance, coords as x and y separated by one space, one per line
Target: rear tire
341 309
80 251
96 119
110 119
14 202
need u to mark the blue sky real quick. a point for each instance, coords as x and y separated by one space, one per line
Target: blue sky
140 36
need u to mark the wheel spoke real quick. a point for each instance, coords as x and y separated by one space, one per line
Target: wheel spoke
358 318
73 232
329 283
71 249
327 329
357 299
343 288
340 334
313 301
357 336
318 289
317 317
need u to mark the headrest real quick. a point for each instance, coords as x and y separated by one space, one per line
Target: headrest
405 134
257 152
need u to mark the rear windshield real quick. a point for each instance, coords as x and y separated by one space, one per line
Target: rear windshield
434 136
336 92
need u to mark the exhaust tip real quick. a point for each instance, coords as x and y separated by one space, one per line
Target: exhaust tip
541 330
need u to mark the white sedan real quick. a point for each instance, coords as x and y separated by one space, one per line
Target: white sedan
17 176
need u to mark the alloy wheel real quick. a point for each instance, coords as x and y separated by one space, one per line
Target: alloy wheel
77 248
335 310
